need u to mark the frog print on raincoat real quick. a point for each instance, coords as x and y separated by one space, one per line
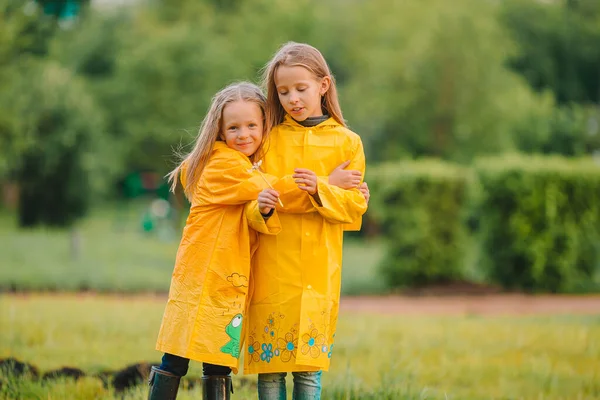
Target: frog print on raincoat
234 331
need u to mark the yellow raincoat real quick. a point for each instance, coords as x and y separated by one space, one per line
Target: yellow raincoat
293 312
204 315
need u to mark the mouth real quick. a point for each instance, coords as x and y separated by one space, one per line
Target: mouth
296 110
244 144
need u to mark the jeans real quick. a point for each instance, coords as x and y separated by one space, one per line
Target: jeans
307 386
179 366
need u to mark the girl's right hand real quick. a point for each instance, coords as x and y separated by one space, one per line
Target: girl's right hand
345 179
267 200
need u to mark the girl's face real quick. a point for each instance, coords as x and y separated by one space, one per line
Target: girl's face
300 91
242 126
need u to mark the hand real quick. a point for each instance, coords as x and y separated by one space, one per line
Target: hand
306 180
364 189
267 200
345 179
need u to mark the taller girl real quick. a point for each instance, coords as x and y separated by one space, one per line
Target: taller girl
297 274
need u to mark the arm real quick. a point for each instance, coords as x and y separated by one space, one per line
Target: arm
339 205
295 200
256 221
228 179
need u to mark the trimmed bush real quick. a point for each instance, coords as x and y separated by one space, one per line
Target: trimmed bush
539 219
420 206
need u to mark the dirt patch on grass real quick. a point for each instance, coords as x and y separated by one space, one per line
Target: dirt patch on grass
426 301
490 304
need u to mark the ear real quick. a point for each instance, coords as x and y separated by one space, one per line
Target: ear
325 84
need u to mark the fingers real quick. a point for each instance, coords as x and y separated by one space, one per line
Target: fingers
304 176
304 171
271 192
268 198
343 165
364 189
309 189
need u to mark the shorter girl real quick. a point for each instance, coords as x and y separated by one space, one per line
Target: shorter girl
207 298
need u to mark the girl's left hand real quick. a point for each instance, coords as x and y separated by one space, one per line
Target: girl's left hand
364 189
306 180
267 200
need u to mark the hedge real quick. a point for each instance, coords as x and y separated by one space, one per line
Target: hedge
540 220
420 207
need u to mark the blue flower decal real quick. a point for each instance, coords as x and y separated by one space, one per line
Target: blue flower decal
267 352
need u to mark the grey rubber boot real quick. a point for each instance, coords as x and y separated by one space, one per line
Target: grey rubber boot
216 387
163 385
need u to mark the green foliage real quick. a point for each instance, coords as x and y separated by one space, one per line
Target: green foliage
558 46
58 147
420 206
436 82
117 256
24 36
567 130
539 219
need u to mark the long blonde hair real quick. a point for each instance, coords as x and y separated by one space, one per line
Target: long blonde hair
193 163
294 54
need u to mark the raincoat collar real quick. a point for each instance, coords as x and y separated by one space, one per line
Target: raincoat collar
219 144
289 121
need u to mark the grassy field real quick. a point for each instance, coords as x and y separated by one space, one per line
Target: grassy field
375 357
117 256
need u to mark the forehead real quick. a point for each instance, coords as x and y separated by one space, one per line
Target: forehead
241 110
289 75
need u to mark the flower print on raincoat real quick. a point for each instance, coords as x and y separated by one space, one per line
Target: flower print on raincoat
297 273
209 285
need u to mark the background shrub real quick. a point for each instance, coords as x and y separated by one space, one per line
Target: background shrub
420 206
539 219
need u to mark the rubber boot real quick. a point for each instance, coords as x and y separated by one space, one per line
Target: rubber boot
216 387
163 385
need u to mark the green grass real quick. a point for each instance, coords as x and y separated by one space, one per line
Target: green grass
375 356
116 256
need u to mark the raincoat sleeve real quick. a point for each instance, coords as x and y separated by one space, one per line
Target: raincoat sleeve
294 199
228 179
342 206
270 226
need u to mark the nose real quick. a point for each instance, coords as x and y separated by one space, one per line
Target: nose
293 97
243 133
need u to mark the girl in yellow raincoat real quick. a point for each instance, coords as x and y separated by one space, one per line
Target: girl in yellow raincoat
203 319
207 298
291 320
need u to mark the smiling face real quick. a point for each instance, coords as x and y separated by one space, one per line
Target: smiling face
300 91
242 126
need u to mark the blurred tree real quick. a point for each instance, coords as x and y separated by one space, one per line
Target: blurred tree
436 83
24 36
558 46
60 164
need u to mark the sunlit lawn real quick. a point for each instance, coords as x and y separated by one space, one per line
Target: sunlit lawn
116 255
382 357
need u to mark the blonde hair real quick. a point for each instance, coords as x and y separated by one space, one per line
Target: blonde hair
193 163
294 54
